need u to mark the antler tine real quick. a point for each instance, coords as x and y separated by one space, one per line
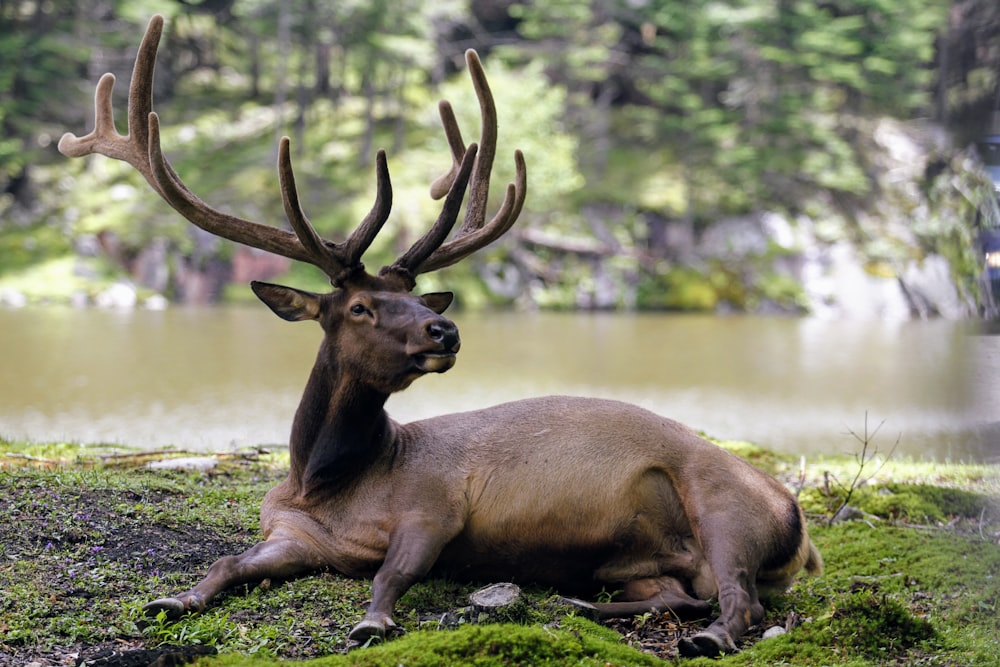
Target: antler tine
464 245
240 230
141 149
441 185
479 188
105 139
413 258
362 237
473 234
312 243
338 260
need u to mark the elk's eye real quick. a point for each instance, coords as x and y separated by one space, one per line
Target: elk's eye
358 309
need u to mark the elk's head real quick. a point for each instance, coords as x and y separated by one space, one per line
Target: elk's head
376 331
393 335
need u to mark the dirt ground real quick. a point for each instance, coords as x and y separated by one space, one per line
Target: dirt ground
78 549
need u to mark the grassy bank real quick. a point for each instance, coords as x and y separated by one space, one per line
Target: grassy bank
88 535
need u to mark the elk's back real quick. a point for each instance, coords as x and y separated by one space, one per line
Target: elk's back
555 488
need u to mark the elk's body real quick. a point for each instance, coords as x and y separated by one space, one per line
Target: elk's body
577 493
580 494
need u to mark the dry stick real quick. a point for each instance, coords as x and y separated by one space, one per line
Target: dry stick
802 476
863 459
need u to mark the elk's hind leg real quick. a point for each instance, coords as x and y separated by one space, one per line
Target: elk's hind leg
733 566
740 609
737 557
657 594
277 557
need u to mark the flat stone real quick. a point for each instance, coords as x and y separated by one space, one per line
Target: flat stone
495 596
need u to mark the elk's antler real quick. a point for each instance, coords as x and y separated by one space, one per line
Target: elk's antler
140 147
473 234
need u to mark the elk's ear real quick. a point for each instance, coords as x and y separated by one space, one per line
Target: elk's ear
438 301
288 303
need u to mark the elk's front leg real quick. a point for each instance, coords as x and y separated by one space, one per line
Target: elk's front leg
278 558
413 550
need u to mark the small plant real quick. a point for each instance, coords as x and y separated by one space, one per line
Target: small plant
607 596
864 458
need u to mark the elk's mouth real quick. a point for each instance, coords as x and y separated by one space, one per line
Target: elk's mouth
434 362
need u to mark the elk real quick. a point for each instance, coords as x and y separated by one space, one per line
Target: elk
575 493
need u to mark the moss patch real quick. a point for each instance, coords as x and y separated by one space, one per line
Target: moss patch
916 503
876 625
573 641
922 503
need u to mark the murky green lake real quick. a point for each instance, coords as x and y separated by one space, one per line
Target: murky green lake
214 379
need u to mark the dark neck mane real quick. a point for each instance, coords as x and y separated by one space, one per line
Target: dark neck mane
340 428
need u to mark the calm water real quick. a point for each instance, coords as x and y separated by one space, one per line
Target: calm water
218 378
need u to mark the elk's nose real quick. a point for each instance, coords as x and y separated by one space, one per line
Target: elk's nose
445 333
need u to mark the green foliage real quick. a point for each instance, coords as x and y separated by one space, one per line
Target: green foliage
39 57
685 288
909 503
573 641
782 290
680 288
765 459
22 248
683 110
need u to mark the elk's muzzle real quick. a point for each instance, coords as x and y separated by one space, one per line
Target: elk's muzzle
441 345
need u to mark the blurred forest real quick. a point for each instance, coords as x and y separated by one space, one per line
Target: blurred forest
791 156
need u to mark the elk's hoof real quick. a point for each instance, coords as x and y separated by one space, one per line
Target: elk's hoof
173 607
366 630
703 644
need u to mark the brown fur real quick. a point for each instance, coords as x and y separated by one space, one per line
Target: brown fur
576 493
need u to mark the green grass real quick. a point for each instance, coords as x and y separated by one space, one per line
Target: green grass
89 535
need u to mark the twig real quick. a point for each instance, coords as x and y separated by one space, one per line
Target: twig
802 476
27 457
863 459
151 453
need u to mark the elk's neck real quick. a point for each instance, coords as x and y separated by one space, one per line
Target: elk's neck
340 428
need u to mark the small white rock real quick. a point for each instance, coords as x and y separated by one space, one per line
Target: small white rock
775 631
156 302
13 298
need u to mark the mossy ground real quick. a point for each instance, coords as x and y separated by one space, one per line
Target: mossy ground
88 536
